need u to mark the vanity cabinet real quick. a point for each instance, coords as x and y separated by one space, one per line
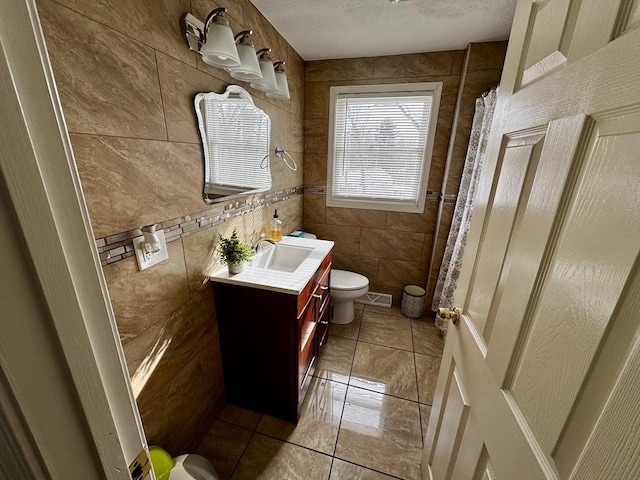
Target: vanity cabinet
269 342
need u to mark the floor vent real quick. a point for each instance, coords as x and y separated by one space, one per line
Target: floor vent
377 299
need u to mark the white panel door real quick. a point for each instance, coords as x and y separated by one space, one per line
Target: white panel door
541 377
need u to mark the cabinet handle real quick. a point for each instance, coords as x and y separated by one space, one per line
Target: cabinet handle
318 296
324 287
324 322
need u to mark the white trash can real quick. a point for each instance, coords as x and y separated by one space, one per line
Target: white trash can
413 298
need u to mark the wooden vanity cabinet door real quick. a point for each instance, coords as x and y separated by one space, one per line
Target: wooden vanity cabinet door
307 351
313 321
304 298
322 331
258 331
323 309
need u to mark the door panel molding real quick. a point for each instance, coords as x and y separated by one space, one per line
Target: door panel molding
535 242
620 340
520 159
575 294
628 18
455 418
594 27
545 38
573 91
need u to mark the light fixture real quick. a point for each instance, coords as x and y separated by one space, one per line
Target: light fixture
281 80
269 83
249 68
213 39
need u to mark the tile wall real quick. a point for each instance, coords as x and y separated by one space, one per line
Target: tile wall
395 249
126 81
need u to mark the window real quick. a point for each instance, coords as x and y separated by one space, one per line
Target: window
380 143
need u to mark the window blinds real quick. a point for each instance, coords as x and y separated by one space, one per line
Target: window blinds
238 137
379 145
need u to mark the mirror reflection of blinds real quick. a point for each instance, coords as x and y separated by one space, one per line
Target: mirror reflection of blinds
379 145
250 134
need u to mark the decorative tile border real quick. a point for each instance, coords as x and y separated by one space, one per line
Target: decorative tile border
317 189
431 196
120 246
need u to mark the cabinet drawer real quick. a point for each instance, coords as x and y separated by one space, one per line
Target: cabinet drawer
321 292
322 329
305 295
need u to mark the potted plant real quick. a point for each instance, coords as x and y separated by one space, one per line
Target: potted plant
233 252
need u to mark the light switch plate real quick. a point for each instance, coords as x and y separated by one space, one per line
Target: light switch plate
146 259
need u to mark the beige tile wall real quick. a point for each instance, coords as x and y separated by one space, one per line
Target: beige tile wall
394 249
127 81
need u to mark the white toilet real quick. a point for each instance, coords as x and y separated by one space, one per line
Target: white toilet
184 467
345 288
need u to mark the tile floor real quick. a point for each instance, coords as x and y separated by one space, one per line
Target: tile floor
364 416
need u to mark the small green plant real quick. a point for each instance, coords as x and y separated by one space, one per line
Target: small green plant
232 250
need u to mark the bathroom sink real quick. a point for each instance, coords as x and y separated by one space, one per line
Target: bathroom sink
284 258
285 267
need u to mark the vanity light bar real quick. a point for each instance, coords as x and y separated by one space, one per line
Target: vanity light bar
195 34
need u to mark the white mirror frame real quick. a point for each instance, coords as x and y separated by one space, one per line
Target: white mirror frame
234 150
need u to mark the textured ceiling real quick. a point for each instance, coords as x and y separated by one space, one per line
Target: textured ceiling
325 29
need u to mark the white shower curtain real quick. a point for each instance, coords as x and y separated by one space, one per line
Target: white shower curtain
452 260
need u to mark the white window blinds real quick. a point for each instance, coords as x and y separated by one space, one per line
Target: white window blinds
378 155
238 139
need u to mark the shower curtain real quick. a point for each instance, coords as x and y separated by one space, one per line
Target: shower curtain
452 259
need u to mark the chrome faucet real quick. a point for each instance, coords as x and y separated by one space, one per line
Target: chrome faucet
256 246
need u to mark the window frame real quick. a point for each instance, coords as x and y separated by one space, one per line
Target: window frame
432 88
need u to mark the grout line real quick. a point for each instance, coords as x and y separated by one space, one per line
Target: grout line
106 135
383 345
386 394
415 372
164 109
244 450
267 435
429 355
346 395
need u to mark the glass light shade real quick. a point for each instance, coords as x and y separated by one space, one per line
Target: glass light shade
269 82
220 48
249 69
283 87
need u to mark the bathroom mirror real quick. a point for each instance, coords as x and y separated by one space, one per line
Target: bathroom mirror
235 139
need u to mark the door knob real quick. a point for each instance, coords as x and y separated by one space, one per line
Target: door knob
449 315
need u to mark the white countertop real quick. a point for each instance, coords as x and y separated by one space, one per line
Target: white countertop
278 281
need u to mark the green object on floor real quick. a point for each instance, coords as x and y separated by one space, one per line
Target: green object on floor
161 462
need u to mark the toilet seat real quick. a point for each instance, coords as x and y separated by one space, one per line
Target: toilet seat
347 281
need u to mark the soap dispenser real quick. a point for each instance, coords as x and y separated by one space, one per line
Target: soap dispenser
275 229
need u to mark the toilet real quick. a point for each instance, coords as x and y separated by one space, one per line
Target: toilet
345 287
184 467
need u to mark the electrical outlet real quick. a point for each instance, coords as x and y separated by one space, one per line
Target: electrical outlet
148 259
